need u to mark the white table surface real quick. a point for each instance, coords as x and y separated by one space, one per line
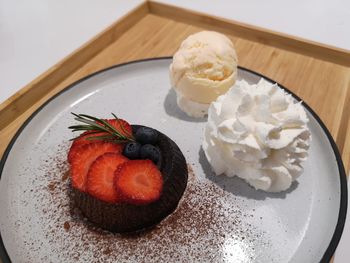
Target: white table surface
34 35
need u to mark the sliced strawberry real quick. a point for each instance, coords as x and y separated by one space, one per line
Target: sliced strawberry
121 125
85 155
82 140
138 182
101 174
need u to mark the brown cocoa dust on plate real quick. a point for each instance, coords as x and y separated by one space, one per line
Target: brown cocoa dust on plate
206 224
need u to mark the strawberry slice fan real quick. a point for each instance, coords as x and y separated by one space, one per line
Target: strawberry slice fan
124 177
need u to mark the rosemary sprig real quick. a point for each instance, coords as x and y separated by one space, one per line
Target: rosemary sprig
95 125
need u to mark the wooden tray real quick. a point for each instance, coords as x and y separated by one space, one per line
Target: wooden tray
317 73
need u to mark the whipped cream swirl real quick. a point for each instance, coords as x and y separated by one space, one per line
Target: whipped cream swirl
259 133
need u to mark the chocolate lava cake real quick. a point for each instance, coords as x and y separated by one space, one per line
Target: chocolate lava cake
125 177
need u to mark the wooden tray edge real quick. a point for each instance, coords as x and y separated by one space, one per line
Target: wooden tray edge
18 103
39 87
253 33
346 150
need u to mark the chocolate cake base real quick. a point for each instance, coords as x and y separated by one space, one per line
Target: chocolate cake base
128 218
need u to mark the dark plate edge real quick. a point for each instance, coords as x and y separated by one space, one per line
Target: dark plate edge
343 182
327 256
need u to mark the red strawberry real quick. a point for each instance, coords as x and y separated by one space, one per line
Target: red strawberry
138 182
121 125
101 174
82 140
85 156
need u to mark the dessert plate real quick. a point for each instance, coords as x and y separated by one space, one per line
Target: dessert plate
219 219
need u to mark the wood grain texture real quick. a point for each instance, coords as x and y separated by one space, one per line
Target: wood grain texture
254 33
319 74
41 86
320 81
346 150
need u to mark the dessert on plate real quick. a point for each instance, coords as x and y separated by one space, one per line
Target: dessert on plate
203 68
124 177
259 133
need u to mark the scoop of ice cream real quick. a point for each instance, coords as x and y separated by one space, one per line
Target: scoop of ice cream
204 67
259 133
192 108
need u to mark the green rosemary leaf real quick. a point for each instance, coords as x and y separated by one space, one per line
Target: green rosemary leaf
94 132
115 116
76 115
102 137
95 125
74 138
81 127
122 127
97 121
114 129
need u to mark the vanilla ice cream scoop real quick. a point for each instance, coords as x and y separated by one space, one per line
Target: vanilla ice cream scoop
259 133
204 67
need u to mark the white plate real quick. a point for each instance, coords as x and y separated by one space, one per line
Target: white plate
219 220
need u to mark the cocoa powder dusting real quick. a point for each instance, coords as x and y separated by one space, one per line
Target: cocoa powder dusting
65 176
66 226
107 251
198 231
52 186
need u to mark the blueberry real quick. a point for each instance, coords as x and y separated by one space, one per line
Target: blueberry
151 152
132 150
145 135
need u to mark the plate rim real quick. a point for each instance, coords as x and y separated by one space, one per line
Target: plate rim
343 182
